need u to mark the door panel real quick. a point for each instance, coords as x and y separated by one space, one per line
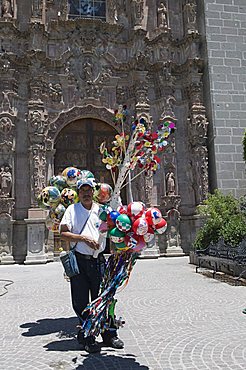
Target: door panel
78 145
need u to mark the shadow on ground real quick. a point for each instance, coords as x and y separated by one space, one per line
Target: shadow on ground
64 327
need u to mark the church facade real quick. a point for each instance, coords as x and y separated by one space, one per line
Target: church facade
66 65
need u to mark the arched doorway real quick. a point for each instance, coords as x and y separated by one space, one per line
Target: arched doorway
78 145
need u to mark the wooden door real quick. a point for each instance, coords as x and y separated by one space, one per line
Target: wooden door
78 145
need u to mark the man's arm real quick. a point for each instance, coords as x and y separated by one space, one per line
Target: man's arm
71 237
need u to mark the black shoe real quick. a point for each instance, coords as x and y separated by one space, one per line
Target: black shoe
114 342
91 346
80 337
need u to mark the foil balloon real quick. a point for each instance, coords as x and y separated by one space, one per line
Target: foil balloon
110 222
135 210
73 175
135 242
57 213
58 181
85 174
102 193
114 215
161 227
64 172
68 197
140 226
103 212
123 223
153 215
116 235
122 209
149 235
49 197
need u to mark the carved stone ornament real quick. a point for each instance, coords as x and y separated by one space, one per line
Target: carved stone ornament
162 16
37 8
38 170
170 202
6 205
138 12
5 181
37 123
190 17
6 9
7 127
90 111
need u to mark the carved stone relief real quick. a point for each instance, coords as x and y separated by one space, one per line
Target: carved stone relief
7 9
138 12
162 17
38 171
190 17
5 181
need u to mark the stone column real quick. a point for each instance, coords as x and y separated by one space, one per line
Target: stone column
36 237
37 130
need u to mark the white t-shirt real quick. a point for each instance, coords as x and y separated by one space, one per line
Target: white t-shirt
74 218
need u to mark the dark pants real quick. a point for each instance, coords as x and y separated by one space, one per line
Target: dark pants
87 282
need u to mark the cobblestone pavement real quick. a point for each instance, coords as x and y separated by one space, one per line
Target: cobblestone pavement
175 319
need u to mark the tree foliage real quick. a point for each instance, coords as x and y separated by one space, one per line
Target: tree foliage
224 219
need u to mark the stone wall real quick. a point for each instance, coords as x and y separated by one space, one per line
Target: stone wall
225 32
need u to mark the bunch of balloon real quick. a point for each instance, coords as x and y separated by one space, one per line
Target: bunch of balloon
129 227
61 192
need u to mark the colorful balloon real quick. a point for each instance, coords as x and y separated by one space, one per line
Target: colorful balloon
58 181
135 210
102 193
140 226
116 235
68 197
73 175
161 227
57 213
135 242
149 235
153 215
85 174
123 223
114 215
49 197
122 209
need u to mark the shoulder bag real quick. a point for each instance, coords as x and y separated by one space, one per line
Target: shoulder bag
69 259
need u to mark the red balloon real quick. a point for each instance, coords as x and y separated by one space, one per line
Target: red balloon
135 242
135 210
122 210
153 215
140 226
161 227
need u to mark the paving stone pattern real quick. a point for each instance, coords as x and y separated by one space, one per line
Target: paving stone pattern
175 319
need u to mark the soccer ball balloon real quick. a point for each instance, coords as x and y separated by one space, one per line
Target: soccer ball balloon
49 197
69 196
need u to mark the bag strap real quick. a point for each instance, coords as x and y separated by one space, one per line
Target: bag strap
81 230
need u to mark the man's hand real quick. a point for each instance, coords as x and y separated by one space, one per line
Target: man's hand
91 242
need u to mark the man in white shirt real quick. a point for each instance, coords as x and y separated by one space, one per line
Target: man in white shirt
87 247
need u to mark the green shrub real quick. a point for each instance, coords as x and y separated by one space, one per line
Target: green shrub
224 219
244 146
